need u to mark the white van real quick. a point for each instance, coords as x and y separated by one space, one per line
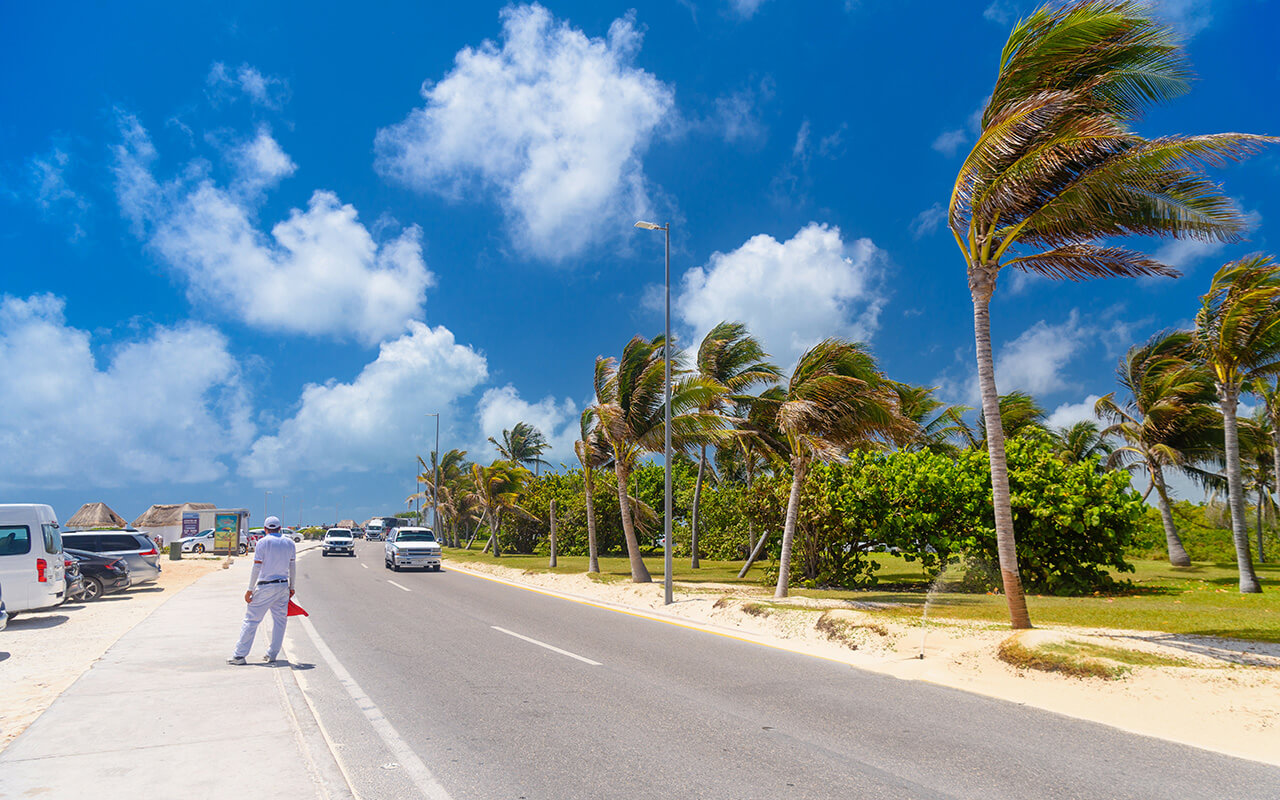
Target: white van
31 570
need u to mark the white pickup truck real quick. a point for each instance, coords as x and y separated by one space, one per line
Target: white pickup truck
412 547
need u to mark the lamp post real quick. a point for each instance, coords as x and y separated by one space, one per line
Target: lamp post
666 353
264 509
435 485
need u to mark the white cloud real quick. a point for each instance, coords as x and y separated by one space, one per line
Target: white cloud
1188 17
792 294
501 408
1002 12
320 272
1069 414
1185 254
163 409
49 189
553 122
949 142
1034 361
746 8
928 221
374 423
263 90
736 116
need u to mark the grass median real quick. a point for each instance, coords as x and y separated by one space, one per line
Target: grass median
1202 599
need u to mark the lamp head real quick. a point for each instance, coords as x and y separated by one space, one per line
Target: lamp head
650 226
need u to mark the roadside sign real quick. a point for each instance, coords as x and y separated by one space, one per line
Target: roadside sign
226 532
190 523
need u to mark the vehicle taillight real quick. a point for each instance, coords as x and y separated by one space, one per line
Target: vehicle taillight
151 552
41 566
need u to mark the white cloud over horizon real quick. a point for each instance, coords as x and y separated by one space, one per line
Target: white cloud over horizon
791 295
1069 414
551 122
500 408
355 426
320 273
166 408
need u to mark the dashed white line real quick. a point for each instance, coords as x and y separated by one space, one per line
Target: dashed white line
366 566
398 586
552 648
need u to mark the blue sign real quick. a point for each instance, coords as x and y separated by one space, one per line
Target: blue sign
190 523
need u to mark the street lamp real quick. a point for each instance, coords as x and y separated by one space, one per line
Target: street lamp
264 509
435 487
666 352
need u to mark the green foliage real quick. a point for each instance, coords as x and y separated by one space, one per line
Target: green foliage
1205 531
531 536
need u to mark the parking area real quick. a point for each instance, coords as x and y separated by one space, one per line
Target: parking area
41 654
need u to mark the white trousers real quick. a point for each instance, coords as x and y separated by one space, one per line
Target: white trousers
273 598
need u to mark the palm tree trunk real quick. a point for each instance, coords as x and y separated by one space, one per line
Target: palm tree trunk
1275 453
495 524
789 531
697 497
982 285
1235 491
593 558
751 559
1262 496
639 572
1177 553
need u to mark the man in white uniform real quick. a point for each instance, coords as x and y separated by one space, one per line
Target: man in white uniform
270 587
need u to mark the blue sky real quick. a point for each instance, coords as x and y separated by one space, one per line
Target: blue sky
247 249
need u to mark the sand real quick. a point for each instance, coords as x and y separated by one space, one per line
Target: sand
42 654
1226 698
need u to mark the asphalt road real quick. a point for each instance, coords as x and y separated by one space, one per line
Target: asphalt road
665 711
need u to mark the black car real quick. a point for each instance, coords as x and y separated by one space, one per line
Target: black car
75 581
102 574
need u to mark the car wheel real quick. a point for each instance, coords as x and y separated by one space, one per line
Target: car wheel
92 589
395 567
436 568
324 553
198 548
244 548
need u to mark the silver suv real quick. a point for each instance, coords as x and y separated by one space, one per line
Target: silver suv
412 547
134 547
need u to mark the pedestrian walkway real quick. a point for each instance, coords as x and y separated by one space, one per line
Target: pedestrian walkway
162 715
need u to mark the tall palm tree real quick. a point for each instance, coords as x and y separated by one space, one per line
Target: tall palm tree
942 427
1056 170
522 445
593 452
1020 415
1237 337
1256 465
452 469
630 406
733 360
1268 391
837 400
1081 441
1166 422
497 492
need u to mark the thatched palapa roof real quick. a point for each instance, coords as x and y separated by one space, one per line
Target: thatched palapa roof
95 515
161 516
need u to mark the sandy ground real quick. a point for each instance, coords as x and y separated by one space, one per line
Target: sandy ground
1227 698
42 654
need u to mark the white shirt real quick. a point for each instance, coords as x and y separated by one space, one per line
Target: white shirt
276 554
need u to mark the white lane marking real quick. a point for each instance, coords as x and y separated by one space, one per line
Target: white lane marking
366 566
549 647
398 586
413 766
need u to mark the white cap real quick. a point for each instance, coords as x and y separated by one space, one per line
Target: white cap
272 524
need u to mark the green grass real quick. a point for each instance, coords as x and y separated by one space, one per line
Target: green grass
1013 652
1201 599
1123 655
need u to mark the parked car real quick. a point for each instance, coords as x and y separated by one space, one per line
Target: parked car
134 547
338 540
102 574
31 568
411 547
75 581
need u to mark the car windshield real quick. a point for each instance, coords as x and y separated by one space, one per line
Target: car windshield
339 533
416 536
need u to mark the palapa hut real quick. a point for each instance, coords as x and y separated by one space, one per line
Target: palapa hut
165 521
95 515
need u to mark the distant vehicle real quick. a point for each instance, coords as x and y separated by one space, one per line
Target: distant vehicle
135 548
102 574
412 547
31 561
338 540
374 531
204 542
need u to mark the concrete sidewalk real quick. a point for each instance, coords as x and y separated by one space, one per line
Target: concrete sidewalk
162 715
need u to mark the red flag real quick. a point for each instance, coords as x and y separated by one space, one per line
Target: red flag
297 610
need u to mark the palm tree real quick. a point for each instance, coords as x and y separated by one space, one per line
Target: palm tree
593 452
1020 415
1269 392
1081 441
1237 337
497 491
940 431
1056 170
837 400
522 444
452 471
630 407
733 360
1256 465
1167 422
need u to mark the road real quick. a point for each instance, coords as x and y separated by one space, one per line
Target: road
506 693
